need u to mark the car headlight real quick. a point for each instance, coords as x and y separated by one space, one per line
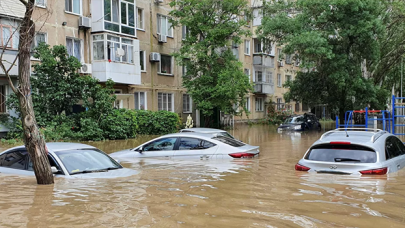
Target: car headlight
297 127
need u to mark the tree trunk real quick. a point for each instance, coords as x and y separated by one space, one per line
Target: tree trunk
34 142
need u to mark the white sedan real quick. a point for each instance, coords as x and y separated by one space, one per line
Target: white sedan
191 144
66 160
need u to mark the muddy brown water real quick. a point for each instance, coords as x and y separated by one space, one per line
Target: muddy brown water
263 192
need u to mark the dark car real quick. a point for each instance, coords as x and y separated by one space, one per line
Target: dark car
305 122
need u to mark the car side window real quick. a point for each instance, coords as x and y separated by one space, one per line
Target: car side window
391 149
194 144
14 159
161 144
52 162
400 145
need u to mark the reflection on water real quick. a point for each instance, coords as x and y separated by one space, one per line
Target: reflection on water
262 192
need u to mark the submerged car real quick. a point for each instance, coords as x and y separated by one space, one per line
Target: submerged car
305 122
67 160
208 131
188 144
354 151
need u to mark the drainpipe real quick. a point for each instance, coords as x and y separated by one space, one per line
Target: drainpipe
151 50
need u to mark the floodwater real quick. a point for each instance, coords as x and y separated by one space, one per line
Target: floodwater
263 192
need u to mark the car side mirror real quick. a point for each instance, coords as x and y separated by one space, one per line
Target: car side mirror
140 149
118 161
54 170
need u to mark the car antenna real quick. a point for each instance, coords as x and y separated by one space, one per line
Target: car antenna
346 133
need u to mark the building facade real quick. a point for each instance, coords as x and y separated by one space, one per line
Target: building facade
131 41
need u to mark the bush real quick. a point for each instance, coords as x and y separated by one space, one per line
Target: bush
157 123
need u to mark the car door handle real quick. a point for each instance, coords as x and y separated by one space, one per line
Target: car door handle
398 166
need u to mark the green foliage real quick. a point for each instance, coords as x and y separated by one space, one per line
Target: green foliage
214 78
339 45
156 123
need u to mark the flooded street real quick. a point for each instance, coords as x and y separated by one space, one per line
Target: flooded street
261 192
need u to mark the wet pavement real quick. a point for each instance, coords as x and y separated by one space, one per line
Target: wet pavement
263 192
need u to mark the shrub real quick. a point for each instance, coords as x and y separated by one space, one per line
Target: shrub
156 123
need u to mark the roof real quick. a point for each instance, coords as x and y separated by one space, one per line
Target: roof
352 136
12 8
203 130
206 135
60 146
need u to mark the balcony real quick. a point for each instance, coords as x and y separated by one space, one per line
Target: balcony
263 60
121 73
8 58
263 88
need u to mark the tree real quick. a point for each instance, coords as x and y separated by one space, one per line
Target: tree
214 77
33 140
337 43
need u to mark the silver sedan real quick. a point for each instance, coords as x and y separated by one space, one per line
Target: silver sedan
354 151
66 160
190 144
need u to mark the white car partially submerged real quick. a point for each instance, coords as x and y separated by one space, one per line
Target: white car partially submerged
66 160
354 151
207 131
189 144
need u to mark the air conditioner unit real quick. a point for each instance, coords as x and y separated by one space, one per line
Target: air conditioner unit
119 52
84 22
85 69
158 1
154 57
162 38
281 63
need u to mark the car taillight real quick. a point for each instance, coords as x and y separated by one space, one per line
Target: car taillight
300 167
242 155
340 143
381 171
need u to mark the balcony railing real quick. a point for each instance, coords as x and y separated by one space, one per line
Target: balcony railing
263 60
264 88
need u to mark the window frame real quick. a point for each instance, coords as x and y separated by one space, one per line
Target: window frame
41 6
169 29
110 19
279 83
139 100
260 107
105 41
167 100
143 57
142 28
190 103
81 47
247 47
247 73
80 8
247 104
160 65
10 40
26 158
288 77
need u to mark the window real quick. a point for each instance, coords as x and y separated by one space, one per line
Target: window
165 64
194 144
392 148
280 54
297 107
3 96
142 60
184 32
247 72
41 3
39 38
269 77
342 154
280 105
259 76
140 100
257 46
165 101
73 6
164 27
247 104
247 47
279 80
74 48
259 104
161 144
15 159
288 59
5 36
139 18
98 47
120 16
288 78
235 49
229 141
187 105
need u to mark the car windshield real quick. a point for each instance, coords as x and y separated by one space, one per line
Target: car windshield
80 160
342 153
229 141
294 119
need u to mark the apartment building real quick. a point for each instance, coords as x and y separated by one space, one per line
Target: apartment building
131 41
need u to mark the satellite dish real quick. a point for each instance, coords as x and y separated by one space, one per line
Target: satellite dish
120 52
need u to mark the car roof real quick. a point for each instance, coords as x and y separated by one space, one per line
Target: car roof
190 134
59 146
203 130
354 136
